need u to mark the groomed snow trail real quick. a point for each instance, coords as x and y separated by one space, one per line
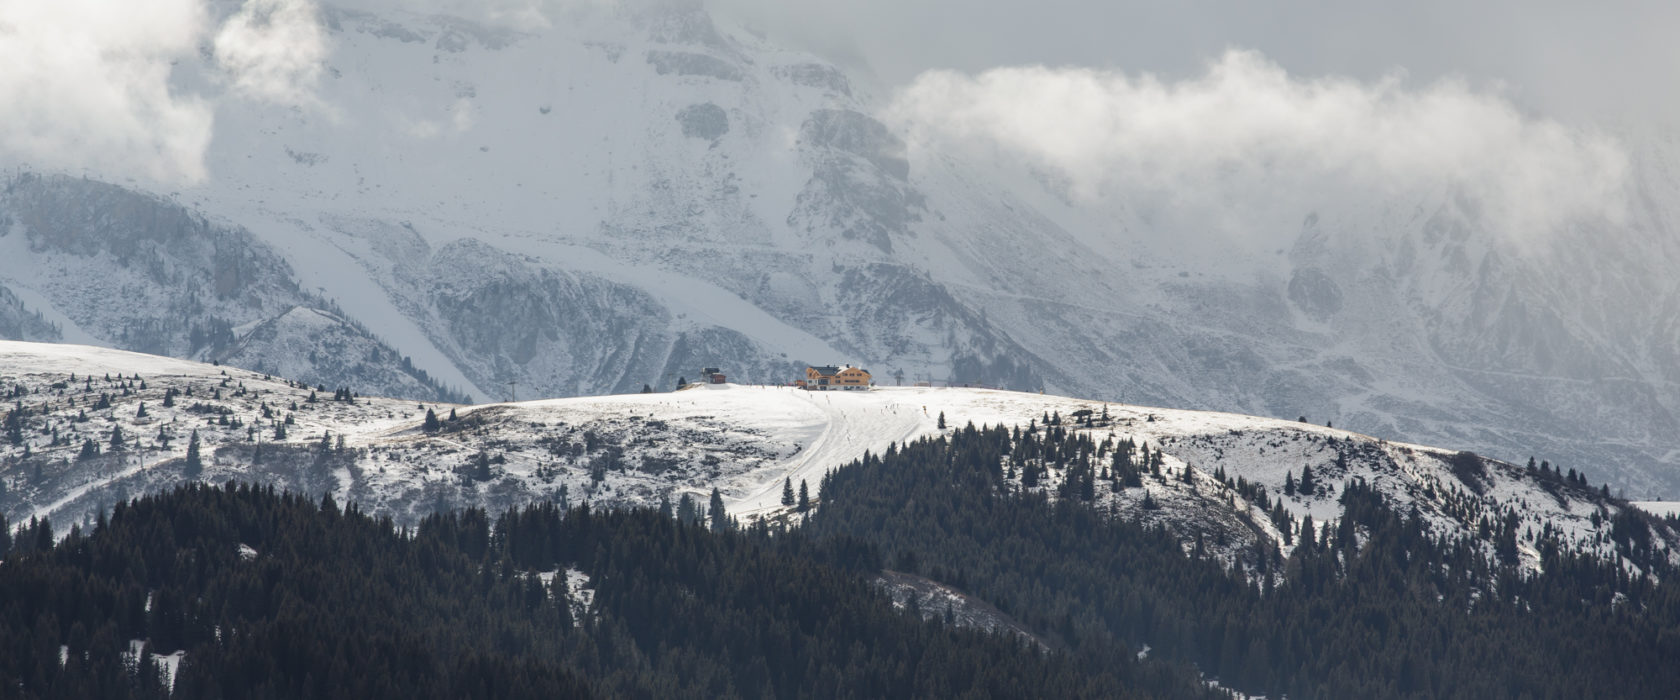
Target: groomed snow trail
852 423
746 441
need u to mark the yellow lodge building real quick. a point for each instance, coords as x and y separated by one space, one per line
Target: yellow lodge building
832 378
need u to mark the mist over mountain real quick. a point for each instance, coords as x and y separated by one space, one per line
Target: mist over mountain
573 198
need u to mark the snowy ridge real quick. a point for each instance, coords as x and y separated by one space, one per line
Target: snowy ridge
636 449
625 196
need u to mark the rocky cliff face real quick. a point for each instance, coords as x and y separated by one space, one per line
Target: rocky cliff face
139 272
18 322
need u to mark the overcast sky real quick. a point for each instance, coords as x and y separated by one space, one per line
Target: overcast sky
1579 61
1237 106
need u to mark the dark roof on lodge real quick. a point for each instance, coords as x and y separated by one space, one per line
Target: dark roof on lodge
831 370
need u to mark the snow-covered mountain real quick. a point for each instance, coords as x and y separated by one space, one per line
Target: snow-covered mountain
100 263
626 196
1225 480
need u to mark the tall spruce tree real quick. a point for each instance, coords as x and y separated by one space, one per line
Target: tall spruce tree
194 466
687 512
719 518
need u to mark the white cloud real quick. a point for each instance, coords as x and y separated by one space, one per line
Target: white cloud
273 50
462 115
88 84
1245 138
527 15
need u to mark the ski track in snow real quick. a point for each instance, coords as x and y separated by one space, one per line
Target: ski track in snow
851 424
743 440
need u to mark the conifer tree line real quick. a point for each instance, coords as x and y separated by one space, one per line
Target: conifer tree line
1373 605
277 595
268 594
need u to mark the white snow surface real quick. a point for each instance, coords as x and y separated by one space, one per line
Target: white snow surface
167 664
1660 508
581 595
635 449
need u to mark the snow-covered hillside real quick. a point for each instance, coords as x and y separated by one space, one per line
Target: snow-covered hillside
627 195
68 402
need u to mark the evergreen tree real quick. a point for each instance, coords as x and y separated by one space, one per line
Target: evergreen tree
787 491
687 512
118 441
719 518
1030 474
431 424
941 420
1307 485
194 466
14 427
804 496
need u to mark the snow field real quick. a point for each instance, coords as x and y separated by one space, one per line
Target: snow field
636 449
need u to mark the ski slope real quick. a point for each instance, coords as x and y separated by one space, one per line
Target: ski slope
640 449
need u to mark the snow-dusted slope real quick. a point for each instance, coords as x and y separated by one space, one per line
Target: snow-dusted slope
95 263
746 441
626 196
